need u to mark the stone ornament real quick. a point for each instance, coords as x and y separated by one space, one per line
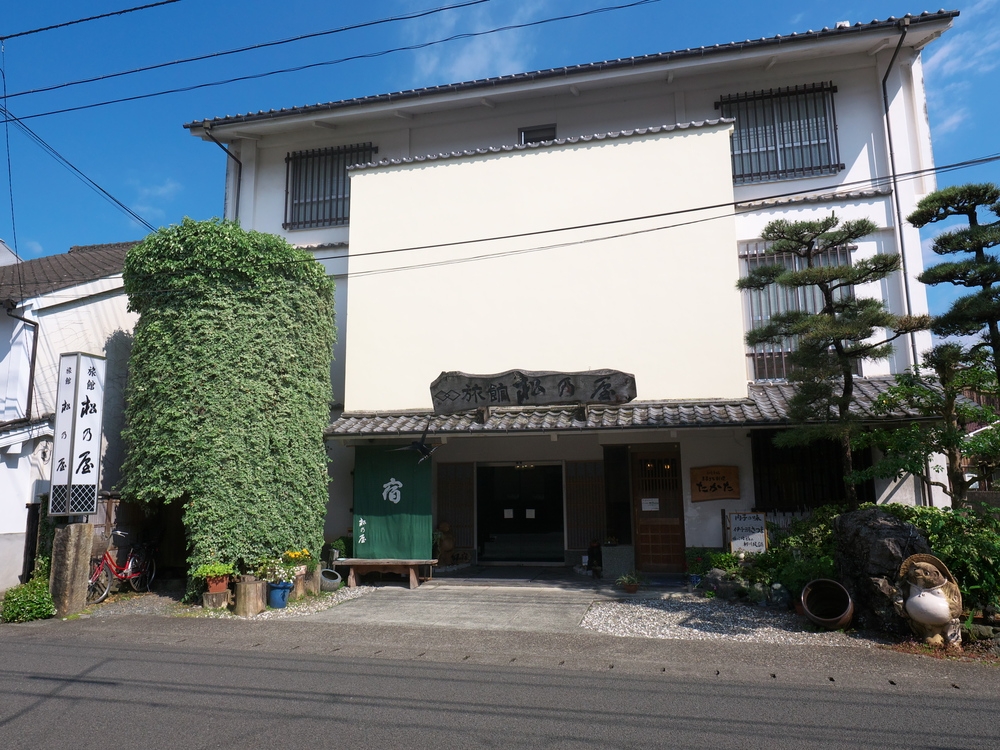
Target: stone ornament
929 599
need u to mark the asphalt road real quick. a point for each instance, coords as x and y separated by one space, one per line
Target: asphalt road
153 682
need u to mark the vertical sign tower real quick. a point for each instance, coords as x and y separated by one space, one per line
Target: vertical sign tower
76 454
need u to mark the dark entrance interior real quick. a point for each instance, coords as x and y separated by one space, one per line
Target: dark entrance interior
519 513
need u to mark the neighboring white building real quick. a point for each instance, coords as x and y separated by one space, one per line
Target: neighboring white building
54 305
588 217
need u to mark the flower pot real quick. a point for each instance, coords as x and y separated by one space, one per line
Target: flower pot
330 580
217 584
277 594
630 588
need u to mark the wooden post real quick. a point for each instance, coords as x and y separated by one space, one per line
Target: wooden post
251 598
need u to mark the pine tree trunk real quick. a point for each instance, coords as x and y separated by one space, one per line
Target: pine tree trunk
850 490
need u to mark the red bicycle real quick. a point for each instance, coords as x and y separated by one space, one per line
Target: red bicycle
139 570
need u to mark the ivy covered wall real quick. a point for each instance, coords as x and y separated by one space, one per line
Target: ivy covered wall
229 389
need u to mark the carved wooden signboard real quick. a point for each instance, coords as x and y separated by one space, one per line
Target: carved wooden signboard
458 391
715 483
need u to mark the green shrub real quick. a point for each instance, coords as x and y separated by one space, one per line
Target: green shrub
700 560
28 601
344 545
967 541
799 554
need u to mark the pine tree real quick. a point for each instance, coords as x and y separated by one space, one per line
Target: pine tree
829 343
978 311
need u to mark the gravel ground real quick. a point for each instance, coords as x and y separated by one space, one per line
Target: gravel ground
688 617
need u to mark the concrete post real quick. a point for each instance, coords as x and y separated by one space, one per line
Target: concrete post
71 549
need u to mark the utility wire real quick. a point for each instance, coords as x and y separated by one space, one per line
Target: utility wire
9 117
10 178
252 47
339 61
4 38
829 189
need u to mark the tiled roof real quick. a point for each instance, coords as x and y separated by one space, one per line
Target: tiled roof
766 405
853 195
572 70
81 264
614 135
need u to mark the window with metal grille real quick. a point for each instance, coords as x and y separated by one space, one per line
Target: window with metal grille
317 188
770 361
783 133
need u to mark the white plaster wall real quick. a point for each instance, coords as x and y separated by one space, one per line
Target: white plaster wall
75 325
659 304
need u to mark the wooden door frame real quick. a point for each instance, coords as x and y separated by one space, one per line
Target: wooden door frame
659 450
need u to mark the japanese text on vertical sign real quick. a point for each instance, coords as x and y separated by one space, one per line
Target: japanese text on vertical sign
747 532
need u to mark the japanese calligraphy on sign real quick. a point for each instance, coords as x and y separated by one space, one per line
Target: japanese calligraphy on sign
76 450
747 532
715 483
458 391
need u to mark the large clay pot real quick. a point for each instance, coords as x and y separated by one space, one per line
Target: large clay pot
827 604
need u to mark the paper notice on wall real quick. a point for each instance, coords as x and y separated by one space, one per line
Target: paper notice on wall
651 503
529 512
508 512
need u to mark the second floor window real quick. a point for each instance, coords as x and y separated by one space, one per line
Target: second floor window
770 361
317 188
783 133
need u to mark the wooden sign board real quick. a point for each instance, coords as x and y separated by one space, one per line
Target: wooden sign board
747 532
715 483
458 391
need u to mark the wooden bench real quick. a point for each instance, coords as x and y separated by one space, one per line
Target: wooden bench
359 566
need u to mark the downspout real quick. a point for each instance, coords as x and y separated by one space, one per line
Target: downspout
903 24
9 305
926 498
239 172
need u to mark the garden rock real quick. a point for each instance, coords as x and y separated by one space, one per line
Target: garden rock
758 593
780 596
713 579
871 546
979 633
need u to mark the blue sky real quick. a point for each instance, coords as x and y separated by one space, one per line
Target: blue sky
139 152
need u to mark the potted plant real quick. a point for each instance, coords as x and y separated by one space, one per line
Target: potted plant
216 576
629 581
280 577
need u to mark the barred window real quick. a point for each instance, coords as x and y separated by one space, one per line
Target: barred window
783 133
317 188
769 361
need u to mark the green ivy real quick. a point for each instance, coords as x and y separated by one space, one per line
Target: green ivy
229 389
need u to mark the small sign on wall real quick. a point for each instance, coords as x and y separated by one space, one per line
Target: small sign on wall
747 532
650 503
715 483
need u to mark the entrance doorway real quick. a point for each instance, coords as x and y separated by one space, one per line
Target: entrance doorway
658 510
519 513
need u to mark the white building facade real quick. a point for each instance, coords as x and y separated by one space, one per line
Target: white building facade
583 218
73 302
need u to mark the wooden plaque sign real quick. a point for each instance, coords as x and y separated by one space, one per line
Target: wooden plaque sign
747 532
458 391
715 483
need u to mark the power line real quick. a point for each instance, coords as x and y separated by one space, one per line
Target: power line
9 117
10 180
339 61
252 47
84 20
828 189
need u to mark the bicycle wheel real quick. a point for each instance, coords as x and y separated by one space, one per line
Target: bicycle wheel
100 584
146 567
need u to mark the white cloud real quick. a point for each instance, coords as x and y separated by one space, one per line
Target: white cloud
479 57
974 51
150 199
31 249
952 122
